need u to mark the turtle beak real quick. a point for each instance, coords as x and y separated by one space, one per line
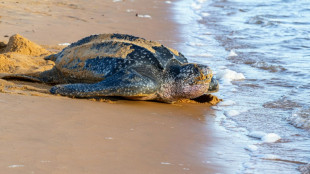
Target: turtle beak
214 85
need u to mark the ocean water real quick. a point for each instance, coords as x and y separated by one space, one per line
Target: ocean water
260 53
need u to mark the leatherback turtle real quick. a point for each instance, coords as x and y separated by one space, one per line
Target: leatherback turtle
126 66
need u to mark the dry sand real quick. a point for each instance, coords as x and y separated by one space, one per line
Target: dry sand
62 21
41 133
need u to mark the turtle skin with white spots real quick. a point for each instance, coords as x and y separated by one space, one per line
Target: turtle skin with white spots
126 66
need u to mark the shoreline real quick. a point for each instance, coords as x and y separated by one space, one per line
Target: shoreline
216 38
52 134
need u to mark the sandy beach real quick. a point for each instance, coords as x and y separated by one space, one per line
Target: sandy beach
61 135
55 22
42 133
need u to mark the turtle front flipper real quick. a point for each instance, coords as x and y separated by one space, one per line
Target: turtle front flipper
126 83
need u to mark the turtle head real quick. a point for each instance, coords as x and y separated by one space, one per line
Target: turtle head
191 81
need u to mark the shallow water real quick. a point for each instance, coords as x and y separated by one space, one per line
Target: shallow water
259 52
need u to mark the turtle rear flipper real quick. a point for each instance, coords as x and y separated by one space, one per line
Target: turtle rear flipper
51 57
34 77
126 83
51 76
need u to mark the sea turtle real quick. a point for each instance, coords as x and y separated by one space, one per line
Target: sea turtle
126 66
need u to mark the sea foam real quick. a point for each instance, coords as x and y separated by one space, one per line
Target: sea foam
231 113
271 138
232 53
205 55
265 137
270 157
196 44
227 103
201 1
202 55
300 118
204 14
229 75
251 148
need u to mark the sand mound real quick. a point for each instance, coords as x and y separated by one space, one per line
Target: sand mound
23 56
21 45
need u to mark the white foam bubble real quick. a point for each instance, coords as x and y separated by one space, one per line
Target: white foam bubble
205 14
251 148
168 2
144 16
108 138
64 44
265 137
219 152
15 166
233 90
165 163
271 138
270 156
231 113
130 10
229 75
232 53
117 0
227 103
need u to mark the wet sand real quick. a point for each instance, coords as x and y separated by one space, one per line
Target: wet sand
41 133
62 135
